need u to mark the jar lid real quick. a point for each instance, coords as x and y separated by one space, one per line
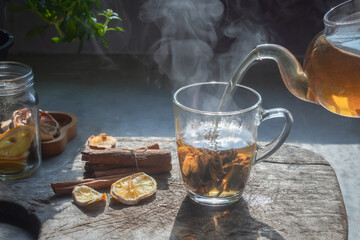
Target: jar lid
15 77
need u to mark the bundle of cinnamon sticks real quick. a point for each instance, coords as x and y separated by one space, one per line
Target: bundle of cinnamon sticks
105 167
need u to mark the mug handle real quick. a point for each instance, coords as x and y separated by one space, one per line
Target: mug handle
268 149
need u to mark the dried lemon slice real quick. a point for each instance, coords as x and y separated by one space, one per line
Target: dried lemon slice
16 141
102 141
134 188
84 195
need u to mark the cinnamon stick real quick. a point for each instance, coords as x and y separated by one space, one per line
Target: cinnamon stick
148 146
67 187
128 158
99 167
70 183
130 170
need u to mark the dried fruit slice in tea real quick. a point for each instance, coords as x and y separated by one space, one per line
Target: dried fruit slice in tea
84 195
134 188
16 141
102 141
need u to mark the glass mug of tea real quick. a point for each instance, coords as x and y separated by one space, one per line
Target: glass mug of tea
217 150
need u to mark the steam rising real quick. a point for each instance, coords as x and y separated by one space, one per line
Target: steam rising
190 31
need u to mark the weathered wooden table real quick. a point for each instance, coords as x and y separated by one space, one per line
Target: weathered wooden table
292 195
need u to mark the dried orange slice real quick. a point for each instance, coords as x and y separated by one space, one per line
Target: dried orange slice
84 195
18 158
23 117
16 141
49 127
102 141
11 166
134 188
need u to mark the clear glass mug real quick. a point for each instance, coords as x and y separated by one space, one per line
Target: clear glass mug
217 150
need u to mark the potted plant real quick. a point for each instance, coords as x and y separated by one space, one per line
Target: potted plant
73 20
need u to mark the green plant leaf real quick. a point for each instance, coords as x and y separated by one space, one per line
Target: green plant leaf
37 31
101 31
114 18
98 25
115 29
55 40
109 12
104 44
71 28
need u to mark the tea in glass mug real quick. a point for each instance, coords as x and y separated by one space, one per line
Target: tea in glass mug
216 171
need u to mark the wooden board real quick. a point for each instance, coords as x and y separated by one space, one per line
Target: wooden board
292 195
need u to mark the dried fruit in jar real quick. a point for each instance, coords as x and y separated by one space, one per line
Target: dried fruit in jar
21 157
132 189
102 141
11 166
84 195
49 127
16 141
22 117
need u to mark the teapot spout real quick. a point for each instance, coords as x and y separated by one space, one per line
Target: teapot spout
291 71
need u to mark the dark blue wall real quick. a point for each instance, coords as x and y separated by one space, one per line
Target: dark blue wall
291 23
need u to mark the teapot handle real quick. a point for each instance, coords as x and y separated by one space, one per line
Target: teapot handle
265 151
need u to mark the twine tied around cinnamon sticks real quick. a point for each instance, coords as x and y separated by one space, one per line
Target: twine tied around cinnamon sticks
133 154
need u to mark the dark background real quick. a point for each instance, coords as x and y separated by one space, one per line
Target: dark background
291 23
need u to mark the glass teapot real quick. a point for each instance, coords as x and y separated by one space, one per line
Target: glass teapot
331 70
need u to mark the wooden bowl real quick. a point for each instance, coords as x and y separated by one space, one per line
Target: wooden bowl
68 129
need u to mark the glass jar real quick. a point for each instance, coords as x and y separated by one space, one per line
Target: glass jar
20 153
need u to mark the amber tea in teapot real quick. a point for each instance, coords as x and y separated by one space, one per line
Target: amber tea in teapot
334 75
